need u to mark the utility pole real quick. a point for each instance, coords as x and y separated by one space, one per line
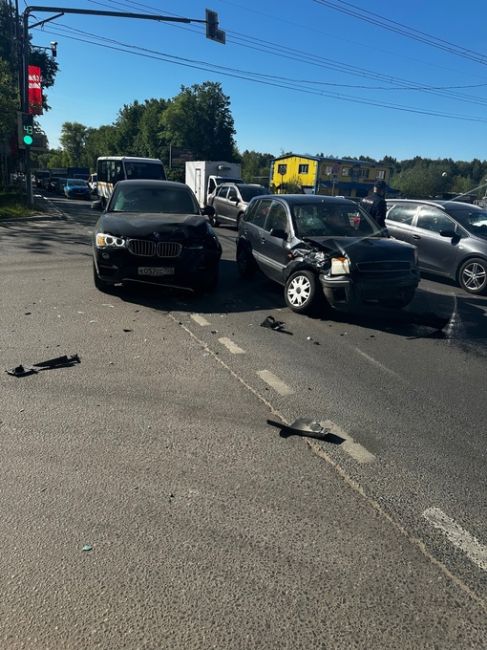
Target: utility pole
211 22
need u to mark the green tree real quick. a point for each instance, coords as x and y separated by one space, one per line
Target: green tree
256 167
73 143
200 119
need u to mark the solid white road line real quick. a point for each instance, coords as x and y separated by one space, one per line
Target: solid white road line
462 539
350 447
201 320
230 345
274 382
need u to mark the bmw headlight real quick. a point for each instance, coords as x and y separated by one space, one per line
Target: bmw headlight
340 266
109 241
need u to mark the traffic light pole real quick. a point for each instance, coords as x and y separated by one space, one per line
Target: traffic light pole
60 11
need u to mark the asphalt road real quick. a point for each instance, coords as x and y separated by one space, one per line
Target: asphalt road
208 527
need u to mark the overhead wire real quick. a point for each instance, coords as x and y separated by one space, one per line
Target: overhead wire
265 46
404 30
269 80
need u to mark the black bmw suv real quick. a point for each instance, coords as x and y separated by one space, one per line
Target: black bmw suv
325 247
154 232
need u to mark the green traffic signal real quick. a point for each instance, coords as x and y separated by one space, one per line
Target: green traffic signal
28 140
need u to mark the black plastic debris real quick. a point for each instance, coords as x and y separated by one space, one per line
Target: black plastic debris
277 325
126 329
306 428
50 364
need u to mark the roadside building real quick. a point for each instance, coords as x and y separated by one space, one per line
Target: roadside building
328 176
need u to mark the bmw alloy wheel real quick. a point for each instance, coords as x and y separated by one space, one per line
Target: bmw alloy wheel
473 276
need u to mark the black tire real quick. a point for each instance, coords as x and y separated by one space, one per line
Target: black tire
400 301
104 287
245 262
472 276
302 292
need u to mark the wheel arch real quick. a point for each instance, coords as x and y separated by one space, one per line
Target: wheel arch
470 256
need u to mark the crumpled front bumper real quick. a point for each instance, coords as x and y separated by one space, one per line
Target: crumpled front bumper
348 293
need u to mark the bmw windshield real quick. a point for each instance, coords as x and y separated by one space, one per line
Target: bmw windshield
171 200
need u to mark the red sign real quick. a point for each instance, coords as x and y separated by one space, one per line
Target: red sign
35 90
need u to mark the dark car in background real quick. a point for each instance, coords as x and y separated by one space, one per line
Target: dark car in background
154 232
230 200
451 238
320 246
56 184
77 188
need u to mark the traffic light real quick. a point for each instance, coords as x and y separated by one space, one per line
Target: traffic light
212 31
25 125
54 49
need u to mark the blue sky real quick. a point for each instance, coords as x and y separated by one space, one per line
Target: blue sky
307 46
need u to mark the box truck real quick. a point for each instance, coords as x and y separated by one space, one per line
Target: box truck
204 176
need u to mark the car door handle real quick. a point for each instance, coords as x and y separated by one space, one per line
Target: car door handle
416 237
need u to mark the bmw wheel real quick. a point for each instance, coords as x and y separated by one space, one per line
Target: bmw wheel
472 276
301 292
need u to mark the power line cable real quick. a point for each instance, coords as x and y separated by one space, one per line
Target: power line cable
248 75
404 30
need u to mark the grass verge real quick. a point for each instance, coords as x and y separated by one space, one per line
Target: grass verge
13 205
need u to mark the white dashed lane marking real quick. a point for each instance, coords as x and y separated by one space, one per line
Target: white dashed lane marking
201 320
231 346
350 447
462 539
274 382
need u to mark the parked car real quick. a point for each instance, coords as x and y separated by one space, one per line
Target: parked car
77 188
56 184
230 200
154 231
451 238
321 246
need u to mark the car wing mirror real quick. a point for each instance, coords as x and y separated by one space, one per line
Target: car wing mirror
451 234
279 233
208 211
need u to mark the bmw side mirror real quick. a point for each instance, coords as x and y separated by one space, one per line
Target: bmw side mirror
279 233
208 211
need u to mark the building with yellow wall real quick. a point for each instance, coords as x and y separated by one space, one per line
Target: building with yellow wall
329 176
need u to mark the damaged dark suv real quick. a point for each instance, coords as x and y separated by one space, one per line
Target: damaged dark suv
325 251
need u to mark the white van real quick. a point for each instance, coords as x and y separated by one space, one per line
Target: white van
111 169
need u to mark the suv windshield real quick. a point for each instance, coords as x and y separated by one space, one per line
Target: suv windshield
472 219
249 192
324 219
173 200
76 182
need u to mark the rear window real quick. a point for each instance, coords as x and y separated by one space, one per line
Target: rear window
151 171
402 213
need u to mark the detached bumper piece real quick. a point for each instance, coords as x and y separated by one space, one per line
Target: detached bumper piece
58 362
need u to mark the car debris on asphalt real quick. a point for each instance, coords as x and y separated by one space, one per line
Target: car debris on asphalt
277 325
58 362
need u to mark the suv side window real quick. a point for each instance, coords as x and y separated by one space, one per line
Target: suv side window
232 193
432 219
259 215
277 218
402 213
222 192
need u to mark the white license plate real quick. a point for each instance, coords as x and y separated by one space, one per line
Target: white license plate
155 271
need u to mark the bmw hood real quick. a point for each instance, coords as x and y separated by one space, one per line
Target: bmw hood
359 249
136 224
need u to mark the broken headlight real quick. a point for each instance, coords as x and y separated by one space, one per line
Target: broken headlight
340 266
109 241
